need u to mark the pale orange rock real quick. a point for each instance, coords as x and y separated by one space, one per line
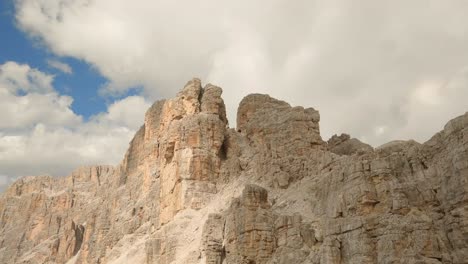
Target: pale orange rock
192 190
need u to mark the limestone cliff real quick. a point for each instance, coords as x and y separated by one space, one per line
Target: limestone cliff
192 190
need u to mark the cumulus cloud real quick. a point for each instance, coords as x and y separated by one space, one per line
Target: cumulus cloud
127 112
61 66
40 133
20 78
27 98
378 70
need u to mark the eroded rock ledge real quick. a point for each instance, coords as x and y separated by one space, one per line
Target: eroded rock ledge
192 190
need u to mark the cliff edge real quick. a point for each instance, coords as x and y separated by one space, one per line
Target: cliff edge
192 190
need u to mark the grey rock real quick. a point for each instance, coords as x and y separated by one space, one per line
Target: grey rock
192 190
345 145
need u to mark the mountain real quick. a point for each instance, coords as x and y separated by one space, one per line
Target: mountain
192 190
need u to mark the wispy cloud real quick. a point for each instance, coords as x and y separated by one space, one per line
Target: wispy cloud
61 66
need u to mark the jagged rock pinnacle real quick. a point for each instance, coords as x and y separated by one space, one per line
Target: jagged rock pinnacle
192 190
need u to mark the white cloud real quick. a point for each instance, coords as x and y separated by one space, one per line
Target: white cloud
361 64
61 66
15 78
127 112
380 130
27 98
32 108
40 133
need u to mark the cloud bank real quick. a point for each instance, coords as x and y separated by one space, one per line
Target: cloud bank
378 70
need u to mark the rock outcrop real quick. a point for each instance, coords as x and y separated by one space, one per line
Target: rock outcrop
345 145
192 190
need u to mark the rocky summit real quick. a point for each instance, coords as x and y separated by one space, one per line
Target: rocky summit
192 190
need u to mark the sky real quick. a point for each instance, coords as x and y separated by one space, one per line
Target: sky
76 77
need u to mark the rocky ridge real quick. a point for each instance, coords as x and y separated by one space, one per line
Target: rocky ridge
192 190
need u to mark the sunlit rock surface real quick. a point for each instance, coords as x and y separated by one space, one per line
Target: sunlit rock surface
192 190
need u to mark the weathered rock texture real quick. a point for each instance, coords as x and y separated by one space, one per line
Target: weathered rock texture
345 145
191 190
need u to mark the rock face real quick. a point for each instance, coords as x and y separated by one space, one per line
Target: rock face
192 190
345 145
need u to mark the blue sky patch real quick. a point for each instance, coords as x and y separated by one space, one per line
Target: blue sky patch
82 84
